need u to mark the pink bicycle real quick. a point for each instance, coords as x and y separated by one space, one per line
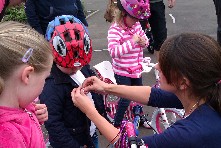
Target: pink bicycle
105 73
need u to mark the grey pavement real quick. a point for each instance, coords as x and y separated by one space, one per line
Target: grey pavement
190 15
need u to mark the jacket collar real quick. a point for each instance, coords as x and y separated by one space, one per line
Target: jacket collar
60 77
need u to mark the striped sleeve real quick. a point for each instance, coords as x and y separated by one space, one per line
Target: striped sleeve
140 31
116 46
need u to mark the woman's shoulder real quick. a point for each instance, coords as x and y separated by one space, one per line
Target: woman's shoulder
203 121
207 115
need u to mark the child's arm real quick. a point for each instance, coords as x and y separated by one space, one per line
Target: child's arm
80 14
144 41
116 45
32 16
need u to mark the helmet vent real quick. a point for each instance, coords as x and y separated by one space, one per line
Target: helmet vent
77 35
62 22
67 36
71 21
75 54
52 34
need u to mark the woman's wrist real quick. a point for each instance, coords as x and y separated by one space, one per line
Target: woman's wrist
108 88
92 113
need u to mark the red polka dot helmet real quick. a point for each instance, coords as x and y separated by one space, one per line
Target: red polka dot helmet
70 42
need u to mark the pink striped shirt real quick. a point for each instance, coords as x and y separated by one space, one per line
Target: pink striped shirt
125 53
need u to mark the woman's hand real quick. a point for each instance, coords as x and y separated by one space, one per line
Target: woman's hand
81 100
41 113
94 84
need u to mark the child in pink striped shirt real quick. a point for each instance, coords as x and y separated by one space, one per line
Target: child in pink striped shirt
126 41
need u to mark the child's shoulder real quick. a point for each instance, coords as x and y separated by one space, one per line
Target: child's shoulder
115 25
10 138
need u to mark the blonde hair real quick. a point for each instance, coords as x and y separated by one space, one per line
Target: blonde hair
15 40
119 16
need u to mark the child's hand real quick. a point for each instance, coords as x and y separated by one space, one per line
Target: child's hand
82 101
171 3
41 113
142 42
136 38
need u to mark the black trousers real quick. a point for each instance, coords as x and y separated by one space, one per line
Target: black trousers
217 4
157 22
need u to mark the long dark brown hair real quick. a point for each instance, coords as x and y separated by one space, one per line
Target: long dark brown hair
198 58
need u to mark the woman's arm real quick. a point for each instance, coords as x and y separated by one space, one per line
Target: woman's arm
139 94
85 105
143 94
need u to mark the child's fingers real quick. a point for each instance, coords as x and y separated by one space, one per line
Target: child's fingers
40 106
41 111
42 115
42 118
73 95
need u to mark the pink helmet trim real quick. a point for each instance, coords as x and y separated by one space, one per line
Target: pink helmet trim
139 9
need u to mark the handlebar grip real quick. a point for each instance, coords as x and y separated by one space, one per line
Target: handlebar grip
131 134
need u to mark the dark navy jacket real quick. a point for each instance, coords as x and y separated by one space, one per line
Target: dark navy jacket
67 126
41 12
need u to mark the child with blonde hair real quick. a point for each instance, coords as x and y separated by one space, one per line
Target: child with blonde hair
26 60
126 41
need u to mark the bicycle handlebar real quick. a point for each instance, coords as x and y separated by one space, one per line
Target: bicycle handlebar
131 134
